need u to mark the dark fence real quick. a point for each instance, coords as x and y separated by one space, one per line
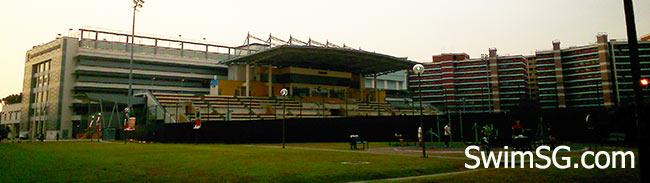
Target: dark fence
297 130
563 124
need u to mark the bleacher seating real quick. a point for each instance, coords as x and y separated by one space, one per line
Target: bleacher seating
216 107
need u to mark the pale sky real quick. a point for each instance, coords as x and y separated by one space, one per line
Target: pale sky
404 28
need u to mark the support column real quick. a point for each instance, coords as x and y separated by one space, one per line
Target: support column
374 81
362 86
377 95
248 80
270 81
605 72
559 77
33 130
494 79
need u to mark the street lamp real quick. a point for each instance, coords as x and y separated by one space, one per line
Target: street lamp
419 69
284 92
136 4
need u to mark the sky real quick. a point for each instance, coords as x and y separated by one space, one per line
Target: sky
416 29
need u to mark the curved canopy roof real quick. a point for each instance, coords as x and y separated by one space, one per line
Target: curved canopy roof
335 59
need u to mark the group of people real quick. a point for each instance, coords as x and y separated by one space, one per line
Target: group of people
446 137
487 135
519 140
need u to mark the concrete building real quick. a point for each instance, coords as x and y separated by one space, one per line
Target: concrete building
455 82
394 84
61 73
533 88
10 117
580 77
73 80
583 76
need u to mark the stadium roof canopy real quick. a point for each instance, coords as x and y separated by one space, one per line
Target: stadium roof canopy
326 58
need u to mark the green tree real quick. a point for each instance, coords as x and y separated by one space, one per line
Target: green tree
12 99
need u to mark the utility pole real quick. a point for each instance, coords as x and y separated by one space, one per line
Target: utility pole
638 93
136 4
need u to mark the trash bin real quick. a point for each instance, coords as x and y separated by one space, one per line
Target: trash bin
109 134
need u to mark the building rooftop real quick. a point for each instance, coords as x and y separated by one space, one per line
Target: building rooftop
326 58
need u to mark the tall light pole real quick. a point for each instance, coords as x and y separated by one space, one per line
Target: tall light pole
633 47
419 69
284 92
136 4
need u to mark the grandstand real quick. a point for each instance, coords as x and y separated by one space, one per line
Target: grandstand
182 107
324 81
78 76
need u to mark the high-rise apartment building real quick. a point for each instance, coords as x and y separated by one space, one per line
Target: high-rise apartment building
490 83
583 76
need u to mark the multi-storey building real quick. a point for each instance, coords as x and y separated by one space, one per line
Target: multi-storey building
72 80
623 85
455 82
10 118
60 73
394 84
533 88
583 76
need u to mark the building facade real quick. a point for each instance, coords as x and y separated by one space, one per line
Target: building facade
592 76
393 84
456 83
533 88
583 76
59 73
10 118
73 80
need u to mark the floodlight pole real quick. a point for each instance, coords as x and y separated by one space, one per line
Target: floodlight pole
138 4
638 93
424 147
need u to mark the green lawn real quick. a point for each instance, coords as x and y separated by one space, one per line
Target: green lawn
346 145
552 174
536 175
94 161
329 145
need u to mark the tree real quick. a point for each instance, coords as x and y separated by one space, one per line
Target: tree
12 99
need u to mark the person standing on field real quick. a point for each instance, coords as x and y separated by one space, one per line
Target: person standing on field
420 136
447 134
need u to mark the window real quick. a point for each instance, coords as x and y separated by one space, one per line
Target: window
38 98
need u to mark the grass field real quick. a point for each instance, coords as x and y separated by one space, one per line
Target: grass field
346 146
300 162
94 161
328 145
535 175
